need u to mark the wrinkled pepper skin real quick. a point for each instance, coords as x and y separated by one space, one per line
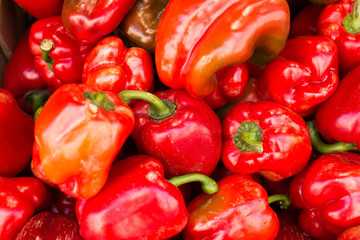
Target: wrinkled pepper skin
68 54
238 211
266 138
50 225
77 139
352 233
137 202
303 75
89 21
140 24
328 193
189 141
110 66
20 197
339 117
196 38
17 136
231 84
41 8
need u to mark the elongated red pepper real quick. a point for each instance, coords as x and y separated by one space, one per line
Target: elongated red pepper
181 131
137 202
77 136
17 136
41 8
59 58
196 38
267 138
110 66
304 74
328 193
19 199
89 21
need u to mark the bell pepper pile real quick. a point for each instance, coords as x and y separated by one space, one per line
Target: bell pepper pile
182 119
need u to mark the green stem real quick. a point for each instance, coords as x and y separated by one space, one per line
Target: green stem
37 113
352 21
282 198
323 147
208 185
248 137
36 98
99 99
158 110
46 46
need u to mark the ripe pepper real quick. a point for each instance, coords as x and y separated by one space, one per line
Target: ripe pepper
89 21
196 38
110 66
41 8
266 138
238 211
302 79
339 21
181 131
289 227
352 233
137 202
19 199
50 225
17 136
77 136
339 117
328 194
59 58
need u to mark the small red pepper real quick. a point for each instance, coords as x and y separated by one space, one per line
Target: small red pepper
303 75
352 233
41 8
196 38
137 202
50 225
328 193
17 136
19 199
59 58
77 136
110 66
89 21
181 131
266 138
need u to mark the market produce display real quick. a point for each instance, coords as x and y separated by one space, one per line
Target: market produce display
181 120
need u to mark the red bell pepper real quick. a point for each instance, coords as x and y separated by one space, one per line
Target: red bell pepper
238 211
304 74
352 233
50 225
231 83
181 131
328 193
266 138
196 38
289 227
77 136
19 199
137 202
41 8
339 21
339 117
89 21
110 66
17 136
59 58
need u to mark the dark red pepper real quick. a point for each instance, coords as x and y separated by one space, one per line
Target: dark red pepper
305 22
289 227
41 8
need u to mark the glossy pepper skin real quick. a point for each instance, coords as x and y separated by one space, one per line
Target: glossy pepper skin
196 38
17 136
50 225
41 8
327 195
77 136
110 66
266 138
238 211
137 202
89 21
339 117
19 199
303 75
187 141
64 60
140 24
347 38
